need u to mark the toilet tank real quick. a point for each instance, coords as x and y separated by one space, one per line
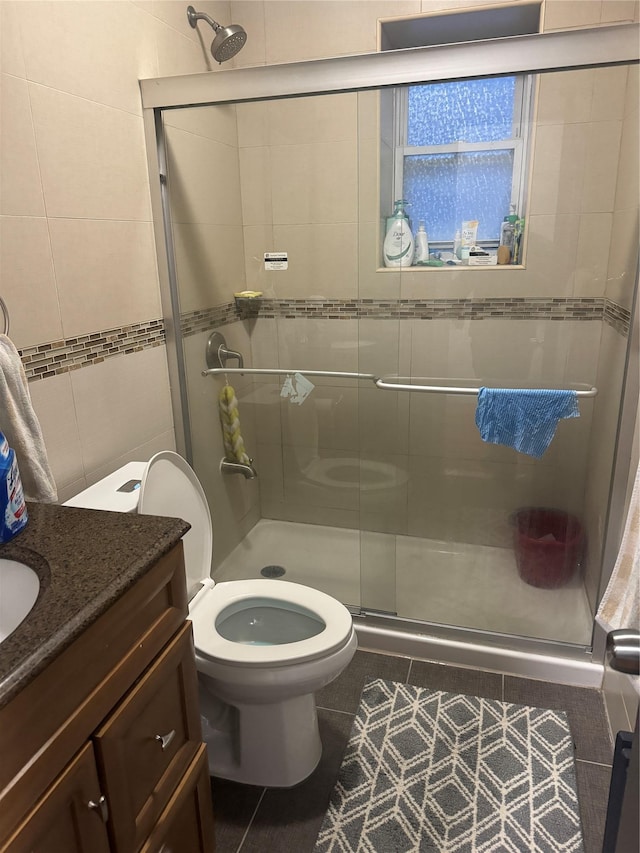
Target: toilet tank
117 492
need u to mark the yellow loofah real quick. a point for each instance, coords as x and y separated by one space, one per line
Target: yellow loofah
230 421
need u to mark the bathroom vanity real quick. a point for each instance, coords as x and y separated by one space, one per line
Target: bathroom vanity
100 741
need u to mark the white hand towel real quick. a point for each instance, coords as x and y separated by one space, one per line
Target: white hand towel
21 427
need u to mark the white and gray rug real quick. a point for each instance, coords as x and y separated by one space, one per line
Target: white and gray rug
427 771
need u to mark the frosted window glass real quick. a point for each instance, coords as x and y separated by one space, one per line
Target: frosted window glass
445 189
462 111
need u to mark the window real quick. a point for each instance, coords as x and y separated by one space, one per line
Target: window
461 153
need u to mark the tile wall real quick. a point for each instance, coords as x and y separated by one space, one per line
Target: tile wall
77 253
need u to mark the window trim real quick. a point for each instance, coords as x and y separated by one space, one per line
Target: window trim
519 142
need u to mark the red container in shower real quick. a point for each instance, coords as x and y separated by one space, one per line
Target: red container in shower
549 545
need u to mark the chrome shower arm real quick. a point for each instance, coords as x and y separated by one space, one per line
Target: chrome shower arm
193 17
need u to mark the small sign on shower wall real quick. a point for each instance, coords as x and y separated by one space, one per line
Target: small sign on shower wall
276 260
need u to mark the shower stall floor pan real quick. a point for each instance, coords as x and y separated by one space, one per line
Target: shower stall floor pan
458 584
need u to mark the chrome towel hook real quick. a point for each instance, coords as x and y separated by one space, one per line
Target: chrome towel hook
5 311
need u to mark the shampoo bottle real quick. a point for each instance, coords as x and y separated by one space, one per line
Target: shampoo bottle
398 244
13 510
422 245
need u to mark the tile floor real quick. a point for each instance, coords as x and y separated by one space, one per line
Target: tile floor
254 820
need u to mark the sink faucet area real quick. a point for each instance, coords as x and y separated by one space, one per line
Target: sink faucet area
19 588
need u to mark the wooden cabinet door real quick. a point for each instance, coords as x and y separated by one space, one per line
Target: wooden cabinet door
186 825
68 817
146 745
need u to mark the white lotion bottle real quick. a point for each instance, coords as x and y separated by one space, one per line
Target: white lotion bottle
422 245
398 246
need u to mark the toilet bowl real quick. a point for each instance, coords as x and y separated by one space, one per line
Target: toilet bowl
263 647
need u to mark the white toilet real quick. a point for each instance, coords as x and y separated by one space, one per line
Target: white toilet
263 647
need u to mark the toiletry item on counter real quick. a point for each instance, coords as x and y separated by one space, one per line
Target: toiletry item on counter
508 235
468 235
398 247
13 510
479 258
422 245
457 244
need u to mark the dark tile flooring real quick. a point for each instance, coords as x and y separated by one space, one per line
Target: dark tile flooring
272 820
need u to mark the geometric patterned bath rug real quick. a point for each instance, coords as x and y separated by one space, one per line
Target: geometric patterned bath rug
432 772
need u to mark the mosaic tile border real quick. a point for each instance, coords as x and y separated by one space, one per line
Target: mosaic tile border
52 359
516 308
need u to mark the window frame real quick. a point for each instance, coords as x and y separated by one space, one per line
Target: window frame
519 142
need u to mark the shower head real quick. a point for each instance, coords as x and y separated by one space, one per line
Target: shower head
228 41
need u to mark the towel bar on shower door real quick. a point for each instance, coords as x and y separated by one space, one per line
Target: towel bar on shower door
378 381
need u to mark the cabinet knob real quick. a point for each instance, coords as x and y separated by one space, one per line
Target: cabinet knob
165 740
101 807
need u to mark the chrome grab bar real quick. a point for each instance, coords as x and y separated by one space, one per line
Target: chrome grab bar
378 381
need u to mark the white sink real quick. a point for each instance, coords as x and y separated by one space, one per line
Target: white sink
19 587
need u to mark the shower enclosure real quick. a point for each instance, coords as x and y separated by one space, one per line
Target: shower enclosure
278 180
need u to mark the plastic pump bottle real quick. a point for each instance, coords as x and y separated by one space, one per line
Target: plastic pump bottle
422 245
398 247
508 231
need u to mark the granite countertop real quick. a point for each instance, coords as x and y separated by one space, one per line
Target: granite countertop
86 559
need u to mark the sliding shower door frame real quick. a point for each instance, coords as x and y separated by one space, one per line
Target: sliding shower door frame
532 54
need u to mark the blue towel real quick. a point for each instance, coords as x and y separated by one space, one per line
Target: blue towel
525 419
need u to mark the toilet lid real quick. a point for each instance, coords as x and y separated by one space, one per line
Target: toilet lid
170 487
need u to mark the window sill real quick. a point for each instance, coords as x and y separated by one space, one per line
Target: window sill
450 268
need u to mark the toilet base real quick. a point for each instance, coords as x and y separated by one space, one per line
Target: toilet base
271 745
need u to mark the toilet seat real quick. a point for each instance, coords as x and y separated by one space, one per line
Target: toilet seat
208 605
170 487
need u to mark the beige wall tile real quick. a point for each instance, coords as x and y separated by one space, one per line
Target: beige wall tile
623 257
19 170
307 30
601 166
92 158
258 239
319 345
314 183
609 89
327 420
323 260
384 421
325 118
321 478
614 11
121 403
215 121
563 15
204 180
174 13
558 168
251 15
256 182
105 273
628 178
183 54
65 54
209 262
142 453
593 254
371 283
565 97
28 284
54 406
11 53
552 245
253 124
